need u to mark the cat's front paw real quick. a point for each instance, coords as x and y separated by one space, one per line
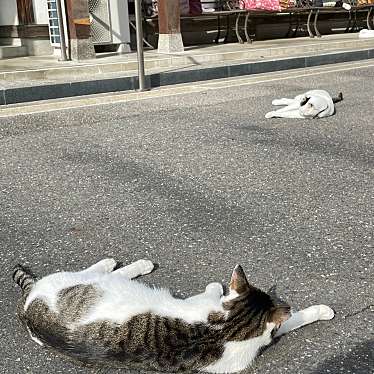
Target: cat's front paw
145 266
325 312
214 288
270 115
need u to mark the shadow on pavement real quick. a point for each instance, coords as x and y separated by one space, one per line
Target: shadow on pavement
359 360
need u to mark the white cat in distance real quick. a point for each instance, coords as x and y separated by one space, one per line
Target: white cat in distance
311 104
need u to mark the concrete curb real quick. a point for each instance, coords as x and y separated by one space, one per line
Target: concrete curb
89 87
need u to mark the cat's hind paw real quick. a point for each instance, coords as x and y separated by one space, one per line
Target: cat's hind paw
104 266
108 264
325 312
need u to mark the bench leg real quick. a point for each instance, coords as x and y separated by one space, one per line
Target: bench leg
240 40
368 23
354 26
216 40
289 26
315 24
298 26
349 22
247 36
311 35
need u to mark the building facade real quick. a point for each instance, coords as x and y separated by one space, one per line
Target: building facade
24 28
30 27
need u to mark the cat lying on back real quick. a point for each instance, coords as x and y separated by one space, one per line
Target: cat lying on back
102 317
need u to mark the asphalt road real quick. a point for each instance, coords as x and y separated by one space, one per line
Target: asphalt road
198 182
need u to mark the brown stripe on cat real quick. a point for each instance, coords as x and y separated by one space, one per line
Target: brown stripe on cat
149 341
23 277
75 301
247 315
216 318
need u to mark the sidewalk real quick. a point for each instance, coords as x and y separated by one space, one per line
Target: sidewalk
34 78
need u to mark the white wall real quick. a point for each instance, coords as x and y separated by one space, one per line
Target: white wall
40 12
8 12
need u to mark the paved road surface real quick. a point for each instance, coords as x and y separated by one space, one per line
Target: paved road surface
196 179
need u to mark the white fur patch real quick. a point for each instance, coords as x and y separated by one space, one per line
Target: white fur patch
35 339
239 355
231 296
123 298
48 288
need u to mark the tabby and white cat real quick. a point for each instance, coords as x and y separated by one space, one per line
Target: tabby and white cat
100 316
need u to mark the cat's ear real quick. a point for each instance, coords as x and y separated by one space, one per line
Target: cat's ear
238 282
273 291
280 314
275 298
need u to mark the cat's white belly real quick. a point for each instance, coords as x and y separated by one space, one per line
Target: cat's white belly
124 299
121 299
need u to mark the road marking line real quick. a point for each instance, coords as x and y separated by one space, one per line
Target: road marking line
107 99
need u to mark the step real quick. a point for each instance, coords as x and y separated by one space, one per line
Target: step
153 60
11 51
10 41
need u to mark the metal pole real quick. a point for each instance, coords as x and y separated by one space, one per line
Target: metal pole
139 44
61 31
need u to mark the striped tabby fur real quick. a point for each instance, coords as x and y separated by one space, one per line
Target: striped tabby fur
100 316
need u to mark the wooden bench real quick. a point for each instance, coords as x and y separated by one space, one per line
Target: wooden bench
228 18
307 15
352 16
223 20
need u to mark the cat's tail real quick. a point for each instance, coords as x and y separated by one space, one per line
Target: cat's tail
24 278
338 98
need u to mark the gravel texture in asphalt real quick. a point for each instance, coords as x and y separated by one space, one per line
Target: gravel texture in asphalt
198 183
